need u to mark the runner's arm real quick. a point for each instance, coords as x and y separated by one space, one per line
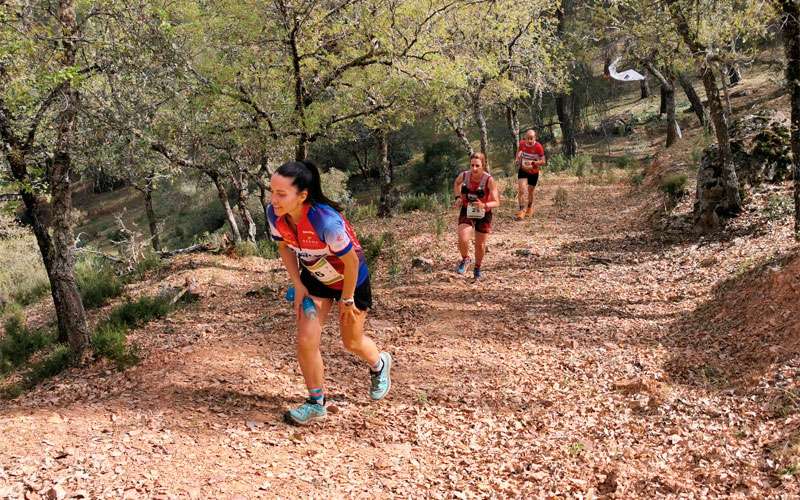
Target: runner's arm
289 259
457 189
494 195
351 265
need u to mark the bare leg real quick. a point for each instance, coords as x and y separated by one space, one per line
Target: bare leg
521 184
351 323
531 189
464 234
308 338
480 247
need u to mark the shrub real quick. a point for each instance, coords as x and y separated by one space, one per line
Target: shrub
439 225
19 342
441 162
636 178
674 186
373 247
778 206
23 278
425 203
355 212
266 249
576 165
51 365
624 161
109 341
150 262
133 314
334 185
97 280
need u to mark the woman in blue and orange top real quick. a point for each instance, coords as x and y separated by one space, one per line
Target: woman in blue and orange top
476 194
310 228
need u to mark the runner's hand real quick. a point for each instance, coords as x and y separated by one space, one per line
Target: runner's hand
300 292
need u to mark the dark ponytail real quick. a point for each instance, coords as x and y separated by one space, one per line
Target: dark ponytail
305 177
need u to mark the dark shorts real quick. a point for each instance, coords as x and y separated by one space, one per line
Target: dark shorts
533 179
483 225
362 296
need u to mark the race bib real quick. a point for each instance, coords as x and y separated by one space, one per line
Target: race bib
324 272
473 212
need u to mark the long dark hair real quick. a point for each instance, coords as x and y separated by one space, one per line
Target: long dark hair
305 177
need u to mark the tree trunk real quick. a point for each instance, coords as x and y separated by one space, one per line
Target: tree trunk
791 40
513 127
301 152
388 194
726 93
734 75
61 269
673 131
662 108
244 211
223 198
569 146
262 180
644 87
697 104
480 119
462 135
732 202
152 221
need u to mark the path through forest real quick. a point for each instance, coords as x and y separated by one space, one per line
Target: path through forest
563 372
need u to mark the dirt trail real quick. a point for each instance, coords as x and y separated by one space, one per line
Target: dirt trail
559 373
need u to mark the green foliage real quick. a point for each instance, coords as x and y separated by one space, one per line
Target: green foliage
150 262
636 178
334 186
139 312
439 225
23 278
110 341
357 213
53 363
20 342
577 165
674 186
441 163
266 249
97 280
778 206
421 202
625 161
373 247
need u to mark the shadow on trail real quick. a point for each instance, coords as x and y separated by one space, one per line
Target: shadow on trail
748 325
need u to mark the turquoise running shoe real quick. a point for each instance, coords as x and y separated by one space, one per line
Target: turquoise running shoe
382 380
462 266
305 413
476 273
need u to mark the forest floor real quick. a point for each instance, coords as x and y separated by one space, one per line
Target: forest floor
597 357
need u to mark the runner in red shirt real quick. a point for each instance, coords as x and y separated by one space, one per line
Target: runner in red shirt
476 194
530 156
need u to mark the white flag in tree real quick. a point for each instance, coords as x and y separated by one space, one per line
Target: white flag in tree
630 75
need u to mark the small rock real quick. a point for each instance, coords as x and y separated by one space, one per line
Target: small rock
55 493
422 263
523 252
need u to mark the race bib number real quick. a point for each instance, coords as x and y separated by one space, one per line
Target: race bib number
324 272
473 212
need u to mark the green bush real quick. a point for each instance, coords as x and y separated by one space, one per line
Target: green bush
778 206
441 163
134 314
19 342
425 203
560 200
356 213
109 341
334 185
23 278
578 165
625 161
674 186
150 262
97 280
373 247
266 249
636 178
51 365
